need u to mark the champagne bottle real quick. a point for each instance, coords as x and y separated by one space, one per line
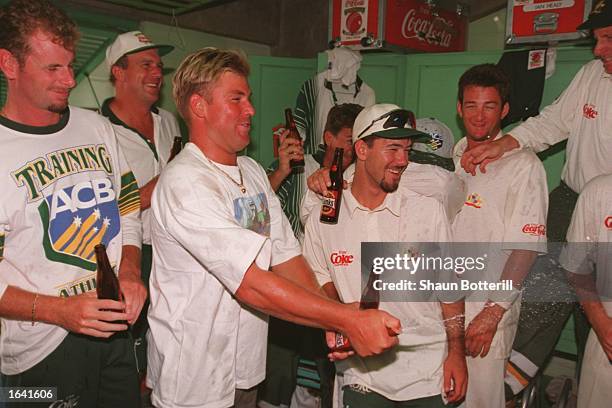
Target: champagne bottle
370 299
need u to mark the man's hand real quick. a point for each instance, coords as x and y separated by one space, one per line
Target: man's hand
455 377
289 149
131 286
320 180
369 332
134 295
482 329
482 155
86 314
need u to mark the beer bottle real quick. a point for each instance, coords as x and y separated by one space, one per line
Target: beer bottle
330 208
370 299
107 284
177 145
293 132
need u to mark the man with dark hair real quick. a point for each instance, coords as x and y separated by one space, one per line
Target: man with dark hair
146 134
206 345
506 207
283 349
582 115
430 360
65 188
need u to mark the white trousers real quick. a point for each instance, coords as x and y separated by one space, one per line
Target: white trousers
595 388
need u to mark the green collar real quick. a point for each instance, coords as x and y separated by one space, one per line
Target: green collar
37 130
114 119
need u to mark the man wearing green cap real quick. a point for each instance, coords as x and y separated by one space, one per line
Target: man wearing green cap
145 133
378 208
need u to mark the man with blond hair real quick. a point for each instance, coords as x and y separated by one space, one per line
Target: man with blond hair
222 246
65 188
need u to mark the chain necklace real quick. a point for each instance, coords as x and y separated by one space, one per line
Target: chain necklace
240 185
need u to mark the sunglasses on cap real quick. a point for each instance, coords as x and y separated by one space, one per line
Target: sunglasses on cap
394 119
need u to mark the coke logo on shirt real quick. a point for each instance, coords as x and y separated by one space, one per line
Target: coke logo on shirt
341 258
534 229
608 222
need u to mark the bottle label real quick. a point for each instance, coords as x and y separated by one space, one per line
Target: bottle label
328 206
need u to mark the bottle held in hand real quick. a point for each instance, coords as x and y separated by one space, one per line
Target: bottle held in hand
107 284
370 299
293 133
330 208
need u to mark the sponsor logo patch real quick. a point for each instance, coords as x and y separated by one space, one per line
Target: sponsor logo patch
474 200
534 229
589 111
341 258
608 222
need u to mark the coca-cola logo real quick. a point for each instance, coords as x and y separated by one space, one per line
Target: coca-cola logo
341 258
432 29
588 111
534 229
608 222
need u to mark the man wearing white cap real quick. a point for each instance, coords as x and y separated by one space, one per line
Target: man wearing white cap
378 208
145 133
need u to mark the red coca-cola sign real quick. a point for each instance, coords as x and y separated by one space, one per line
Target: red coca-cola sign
415 25
534 229
409 24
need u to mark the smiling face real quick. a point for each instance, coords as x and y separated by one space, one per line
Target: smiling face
385 161
482 112
227 114
142 79
41 85
603 48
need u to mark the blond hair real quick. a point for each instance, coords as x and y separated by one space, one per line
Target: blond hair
200 70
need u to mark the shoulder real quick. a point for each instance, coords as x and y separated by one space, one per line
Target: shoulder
600 184
80 115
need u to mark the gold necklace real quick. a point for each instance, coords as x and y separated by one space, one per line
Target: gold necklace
240 185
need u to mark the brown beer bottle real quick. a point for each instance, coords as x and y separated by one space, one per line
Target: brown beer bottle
177 145
107 284
370 299
330 208
293 132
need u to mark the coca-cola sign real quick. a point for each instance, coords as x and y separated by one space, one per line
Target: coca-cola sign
409 24
415 25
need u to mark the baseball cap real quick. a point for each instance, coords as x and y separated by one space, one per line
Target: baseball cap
131 42
442 138
387 121
600 17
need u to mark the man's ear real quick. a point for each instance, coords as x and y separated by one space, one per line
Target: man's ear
361 149
8 64
118 73
459 109
505 110
328 137
197 105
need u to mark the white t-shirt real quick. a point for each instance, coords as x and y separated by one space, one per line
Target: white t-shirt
145 159
589 237
206 234
583 116
506 206
65 188
411 370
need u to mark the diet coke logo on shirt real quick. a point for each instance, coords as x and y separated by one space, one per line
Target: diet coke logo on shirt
608 222
341 258
589 111
534 229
